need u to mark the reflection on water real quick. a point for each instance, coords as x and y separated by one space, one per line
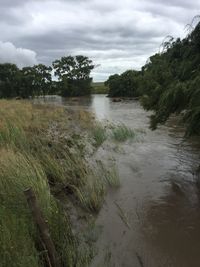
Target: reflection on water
72 102
101 107
159 192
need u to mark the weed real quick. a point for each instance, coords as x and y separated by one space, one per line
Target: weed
122 133
99 135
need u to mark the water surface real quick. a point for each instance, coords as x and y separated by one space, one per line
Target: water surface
159 193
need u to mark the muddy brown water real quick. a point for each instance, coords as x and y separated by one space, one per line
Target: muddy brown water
153 219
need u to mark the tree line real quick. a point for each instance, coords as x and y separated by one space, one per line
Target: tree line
73 78
168 83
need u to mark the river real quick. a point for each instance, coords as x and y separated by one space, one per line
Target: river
159 196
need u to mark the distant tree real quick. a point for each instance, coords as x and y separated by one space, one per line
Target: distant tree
27 82
9 80
113 83
43 79
35 80
125 85
74 75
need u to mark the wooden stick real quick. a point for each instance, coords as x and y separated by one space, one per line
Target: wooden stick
42 226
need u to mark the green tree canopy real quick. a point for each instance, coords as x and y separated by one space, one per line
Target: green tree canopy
73 68
35 80
74 75
170 82
124 85
9 80
73 78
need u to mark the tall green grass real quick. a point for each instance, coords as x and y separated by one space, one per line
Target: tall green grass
35 153
122 133
19 237
109 174
119 133
91 195
99 134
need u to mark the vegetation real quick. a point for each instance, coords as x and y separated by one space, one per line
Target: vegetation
110 176
39 149
121 133
124 85
73 78
99 88
116 132
168 83
99 134
73 74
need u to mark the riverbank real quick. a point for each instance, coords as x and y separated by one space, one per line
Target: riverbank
49 149
158 192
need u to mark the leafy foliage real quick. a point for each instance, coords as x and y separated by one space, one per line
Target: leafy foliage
125 84
9 80
170 82
73 74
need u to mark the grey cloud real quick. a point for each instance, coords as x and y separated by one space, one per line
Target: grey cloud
179 3
11 3
118 34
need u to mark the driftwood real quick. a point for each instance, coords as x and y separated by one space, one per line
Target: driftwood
43 227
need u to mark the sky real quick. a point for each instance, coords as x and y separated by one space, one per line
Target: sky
116 34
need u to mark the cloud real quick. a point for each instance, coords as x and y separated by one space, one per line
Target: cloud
119 35
19 56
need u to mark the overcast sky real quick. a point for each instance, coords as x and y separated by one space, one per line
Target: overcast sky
119 35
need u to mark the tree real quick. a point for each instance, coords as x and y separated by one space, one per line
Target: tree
43 79
35 80
171 82
168 83
74 75
113 84
125 85
9 80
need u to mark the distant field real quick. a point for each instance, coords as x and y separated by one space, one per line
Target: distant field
99 88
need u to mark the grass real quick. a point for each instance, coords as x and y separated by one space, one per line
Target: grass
35 152
91 195
122 133
19 235
99 134
119 133
109 174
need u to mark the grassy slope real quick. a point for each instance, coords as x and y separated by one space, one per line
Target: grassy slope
39 149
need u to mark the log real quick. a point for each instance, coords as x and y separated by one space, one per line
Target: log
42 227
